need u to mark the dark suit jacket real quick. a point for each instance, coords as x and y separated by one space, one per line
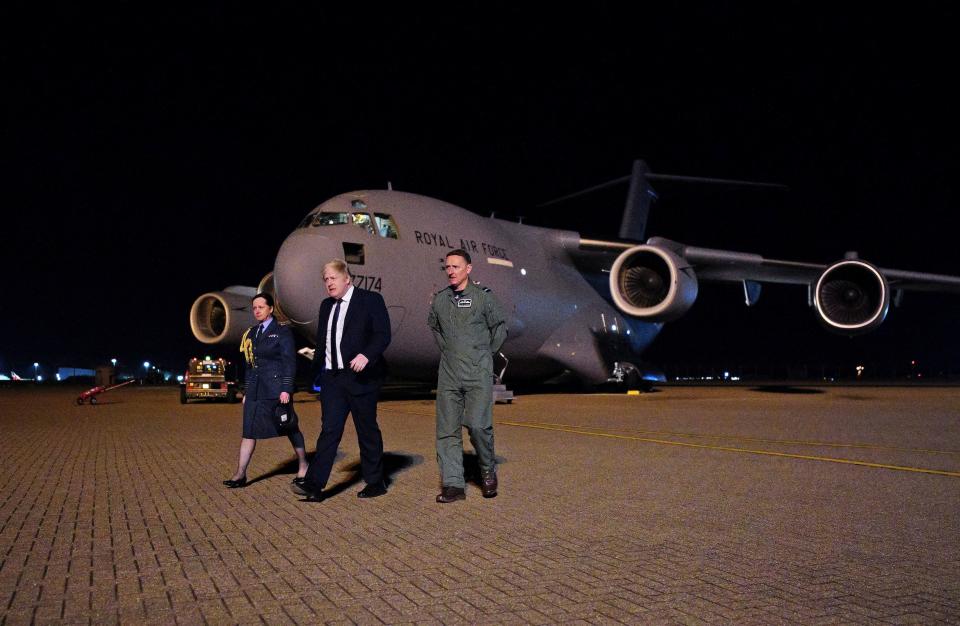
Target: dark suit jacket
366 331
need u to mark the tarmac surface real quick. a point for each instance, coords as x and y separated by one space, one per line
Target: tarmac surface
687 505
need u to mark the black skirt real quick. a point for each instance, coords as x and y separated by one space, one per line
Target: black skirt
258 419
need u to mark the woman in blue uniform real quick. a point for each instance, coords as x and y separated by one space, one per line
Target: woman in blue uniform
271 364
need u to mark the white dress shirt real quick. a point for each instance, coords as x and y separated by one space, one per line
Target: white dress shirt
344 305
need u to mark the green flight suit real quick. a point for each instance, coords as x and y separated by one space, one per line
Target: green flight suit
469 330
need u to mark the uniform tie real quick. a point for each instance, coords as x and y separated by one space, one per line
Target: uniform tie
259 332
333 337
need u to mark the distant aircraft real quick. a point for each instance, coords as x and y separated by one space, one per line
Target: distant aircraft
584 306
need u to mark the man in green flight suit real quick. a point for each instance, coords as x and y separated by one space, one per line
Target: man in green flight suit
469 326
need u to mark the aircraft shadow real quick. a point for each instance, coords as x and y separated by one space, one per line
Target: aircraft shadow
786 389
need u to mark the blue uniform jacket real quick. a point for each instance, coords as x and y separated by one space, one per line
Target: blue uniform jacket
274 363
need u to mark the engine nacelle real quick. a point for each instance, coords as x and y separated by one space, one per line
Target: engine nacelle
652 283
852 297
268 285
222 316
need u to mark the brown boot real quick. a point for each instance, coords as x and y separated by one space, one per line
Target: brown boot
451 494
488 484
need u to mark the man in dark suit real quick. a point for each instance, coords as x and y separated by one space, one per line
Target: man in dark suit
353 330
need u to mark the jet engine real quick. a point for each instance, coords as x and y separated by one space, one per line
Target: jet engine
852 297
652 283
222 316
268 285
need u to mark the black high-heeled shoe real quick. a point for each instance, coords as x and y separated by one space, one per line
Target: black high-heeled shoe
235 484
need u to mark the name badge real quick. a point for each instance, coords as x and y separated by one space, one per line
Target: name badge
464 303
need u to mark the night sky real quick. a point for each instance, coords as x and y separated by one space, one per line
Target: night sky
153 154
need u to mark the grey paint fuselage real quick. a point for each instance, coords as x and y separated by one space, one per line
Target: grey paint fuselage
557 319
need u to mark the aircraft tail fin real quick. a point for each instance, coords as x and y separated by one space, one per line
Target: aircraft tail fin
641 195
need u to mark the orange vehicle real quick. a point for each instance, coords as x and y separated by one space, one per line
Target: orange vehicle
206 378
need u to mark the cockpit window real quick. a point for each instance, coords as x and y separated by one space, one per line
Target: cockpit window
324 218
385 225
331 219
306 221
363 220
380 224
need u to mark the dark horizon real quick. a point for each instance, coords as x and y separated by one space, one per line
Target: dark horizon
155 154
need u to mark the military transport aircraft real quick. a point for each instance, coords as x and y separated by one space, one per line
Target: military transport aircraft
584 306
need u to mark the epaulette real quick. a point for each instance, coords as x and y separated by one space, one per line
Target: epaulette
482 288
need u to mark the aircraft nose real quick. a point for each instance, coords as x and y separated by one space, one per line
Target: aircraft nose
298 273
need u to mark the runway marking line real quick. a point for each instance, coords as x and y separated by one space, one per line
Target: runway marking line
901 468
795 442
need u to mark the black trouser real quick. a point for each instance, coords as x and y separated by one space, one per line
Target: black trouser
336 401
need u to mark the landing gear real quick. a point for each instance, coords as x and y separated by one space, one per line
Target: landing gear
626 377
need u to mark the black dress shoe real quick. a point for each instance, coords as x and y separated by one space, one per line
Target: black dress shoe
299 480
315 497
373 490
488 484
300 487
235 484
451 494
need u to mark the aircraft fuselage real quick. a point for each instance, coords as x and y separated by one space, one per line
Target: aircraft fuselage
557 320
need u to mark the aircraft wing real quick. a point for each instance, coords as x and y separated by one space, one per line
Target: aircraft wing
736 266
657 280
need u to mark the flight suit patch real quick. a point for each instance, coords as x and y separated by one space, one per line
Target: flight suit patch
464 303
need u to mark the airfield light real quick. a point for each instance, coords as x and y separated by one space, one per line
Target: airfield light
860 369
113 362
146 365
180 378
39 379
58 376
36 370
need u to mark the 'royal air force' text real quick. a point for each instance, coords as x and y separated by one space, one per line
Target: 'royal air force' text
445 241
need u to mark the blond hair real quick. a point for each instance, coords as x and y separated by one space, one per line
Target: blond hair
339 266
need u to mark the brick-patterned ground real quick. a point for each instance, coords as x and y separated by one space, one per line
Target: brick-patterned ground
115 513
